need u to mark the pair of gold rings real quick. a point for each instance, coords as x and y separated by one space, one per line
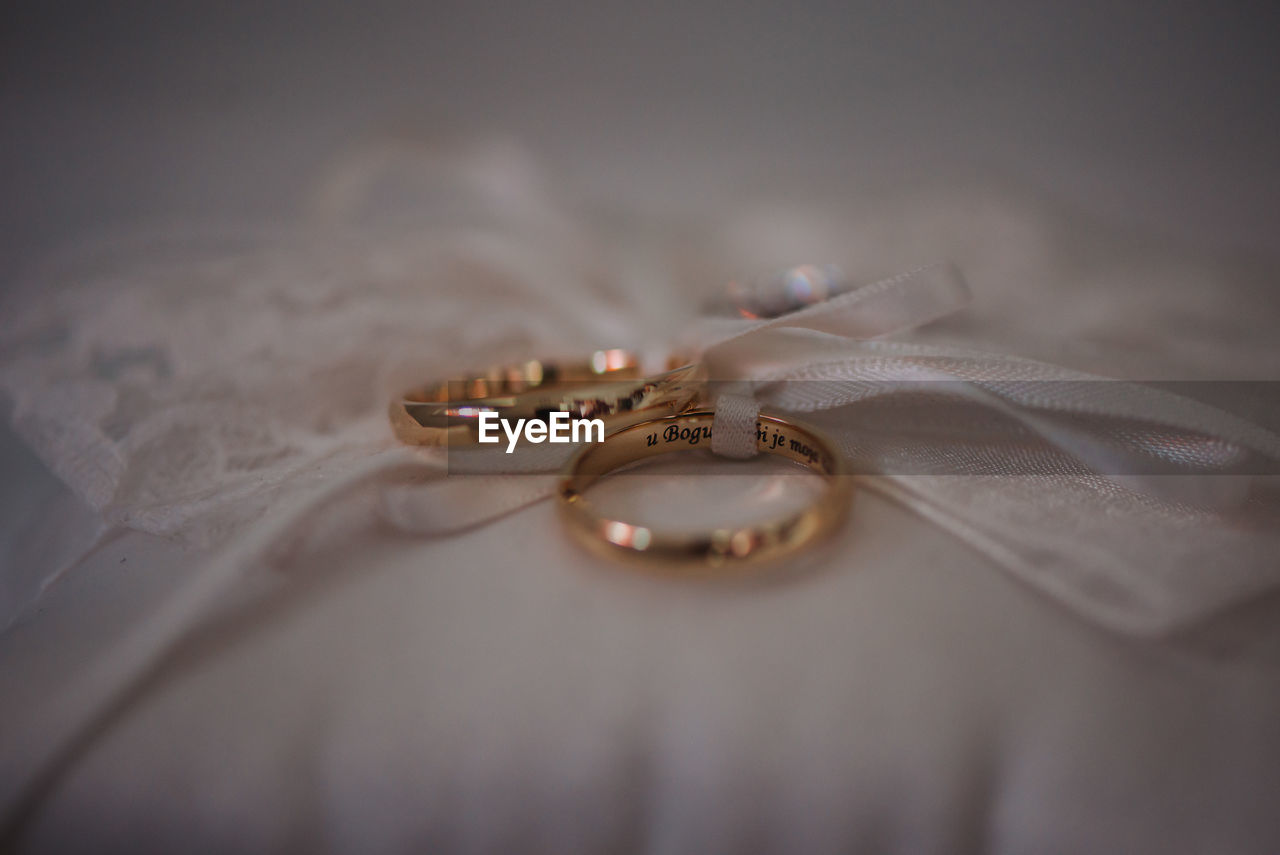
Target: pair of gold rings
644 416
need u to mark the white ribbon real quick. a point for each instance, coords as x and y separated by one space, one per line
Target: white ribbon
1143 552
1138 552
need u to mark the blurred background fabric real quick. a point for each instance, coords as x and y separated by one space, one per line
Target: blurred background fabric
1156 117
229 180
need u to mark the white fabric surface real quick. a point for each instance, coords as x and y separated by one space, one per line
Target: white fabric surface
497 689
398 695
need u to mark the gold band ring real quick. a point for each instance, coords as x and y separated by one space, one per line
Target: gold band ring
720 547
608 386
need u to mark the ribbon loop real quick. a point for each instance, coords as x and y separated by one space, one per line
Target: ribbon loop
733 431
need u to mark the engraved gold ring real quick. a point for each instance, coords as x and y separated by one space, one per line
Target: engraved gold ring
720 548
609 385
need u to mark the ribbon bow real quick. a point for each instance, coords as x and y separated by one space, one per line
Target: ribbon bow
1116 498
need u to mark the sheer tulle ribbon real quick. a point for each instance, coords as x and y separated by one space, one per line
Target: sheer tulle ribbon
1141 548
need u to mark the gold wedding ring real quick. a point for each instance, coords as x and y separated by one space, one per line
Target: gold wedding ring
721 547
608 386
